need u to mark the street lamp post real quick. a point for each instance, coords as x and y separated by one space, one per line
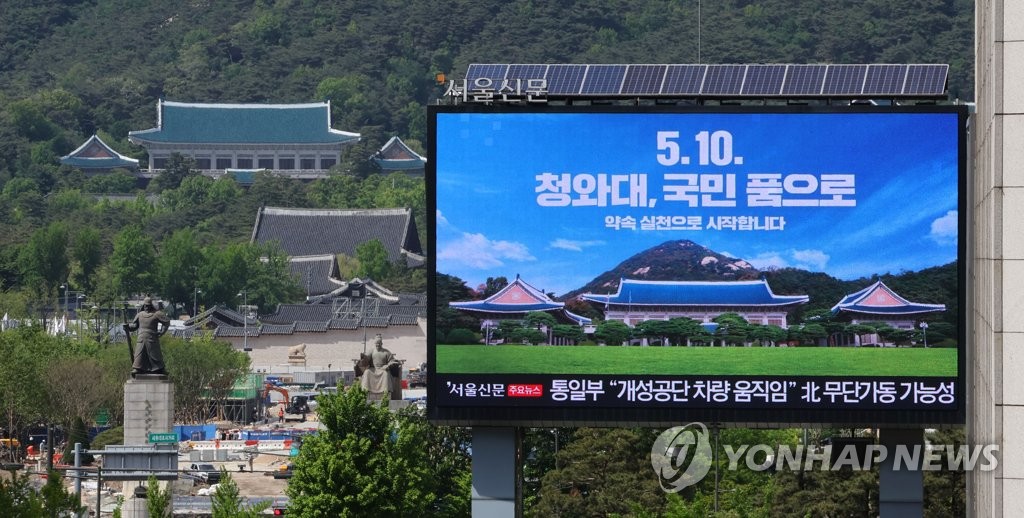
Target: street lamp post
245 319
924 331
195 299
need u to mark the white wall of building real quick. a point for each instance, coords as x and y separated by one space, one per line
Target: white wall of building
995 413
335 347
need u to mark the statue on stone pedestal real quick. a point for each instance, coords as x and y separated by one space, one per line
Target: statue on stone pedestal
380 372
151 323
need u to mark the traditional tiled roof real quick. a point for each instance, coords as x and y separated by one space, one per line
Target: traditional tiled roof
375 306
306 232
220 316
517 298
277 329
198 123
96 154
879 299
310 327
343 323
695 293
315 274
397 156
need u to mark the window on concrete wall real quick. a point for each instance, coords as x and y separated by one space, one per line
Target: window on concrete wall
202 162
265 163
286 163
244 162
223 162
327 163
307 163
159 162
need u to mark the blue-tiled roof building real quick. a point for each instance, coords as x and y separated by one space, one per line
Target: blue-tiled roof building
396 156
515 301
880 302
277 137
637 301
94 156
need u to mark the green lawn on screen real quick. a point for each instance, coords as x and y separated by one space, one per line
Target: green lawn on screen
773 361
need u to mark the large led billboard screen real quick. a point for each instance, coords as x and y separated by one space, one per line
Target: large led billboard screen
654 265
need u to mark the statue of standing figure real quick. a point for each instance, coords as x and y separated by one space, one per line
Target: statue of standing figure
381 372
151 323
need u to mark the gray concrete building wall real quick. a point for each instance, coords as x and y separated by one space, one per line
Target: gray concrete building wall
995 411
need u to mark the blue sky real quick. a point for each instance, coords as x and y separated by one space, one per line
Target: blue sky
902 168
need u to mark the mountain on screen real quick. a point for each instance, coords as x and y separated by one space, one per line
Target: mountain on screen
681 260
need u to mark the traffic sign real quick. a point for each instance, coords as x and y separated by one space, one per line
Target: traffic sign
163 437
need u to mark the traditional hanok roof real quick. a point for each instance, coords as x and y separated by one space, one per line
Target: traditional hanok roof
396 156
199 123
356 289
337 314
879 299
96 154
304 232
517 298
316 274
695 293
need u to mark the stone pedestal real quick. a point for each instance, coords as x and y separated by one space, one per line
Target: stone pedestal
148 408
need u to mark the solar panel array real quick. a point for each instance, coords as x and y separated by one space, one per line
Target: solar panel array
721 81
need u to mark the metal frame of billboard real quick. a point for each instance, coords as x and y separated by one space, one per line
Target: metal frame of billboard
546 415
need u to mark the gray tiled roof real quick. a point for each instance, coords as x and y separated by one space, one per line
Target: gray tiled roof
277 329
314 273
403 320
310 327
376 321
339 313
343 323
306 232
296 312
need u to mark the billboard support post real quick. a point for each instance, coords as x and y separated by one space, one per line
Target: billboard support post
900 492
497 464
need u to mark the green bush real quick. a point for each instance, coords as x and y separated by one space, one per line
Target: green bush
112 436
462 336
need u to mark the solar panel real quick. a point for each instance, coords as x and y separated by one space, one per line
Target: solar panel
604 79
845 79
683 79
565 79
764 80
724 79
926 80
494 73
643 79
804 79
525 72
884 79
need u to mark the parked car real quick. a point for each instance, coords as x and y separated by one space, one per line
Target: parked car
207 473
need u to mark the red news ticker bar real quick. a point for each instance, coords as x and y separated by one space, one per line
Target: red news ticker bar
525 390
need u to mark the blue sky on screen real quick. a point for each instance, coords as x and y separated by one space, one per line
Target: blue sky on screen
903 169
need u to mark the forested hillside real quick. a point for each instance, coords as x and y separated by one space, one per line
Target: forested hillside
73 68
101 64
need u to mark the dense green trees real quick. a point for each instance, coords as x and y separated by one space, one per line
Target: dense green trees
370 462
61 380
19 498
226 501
602 473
